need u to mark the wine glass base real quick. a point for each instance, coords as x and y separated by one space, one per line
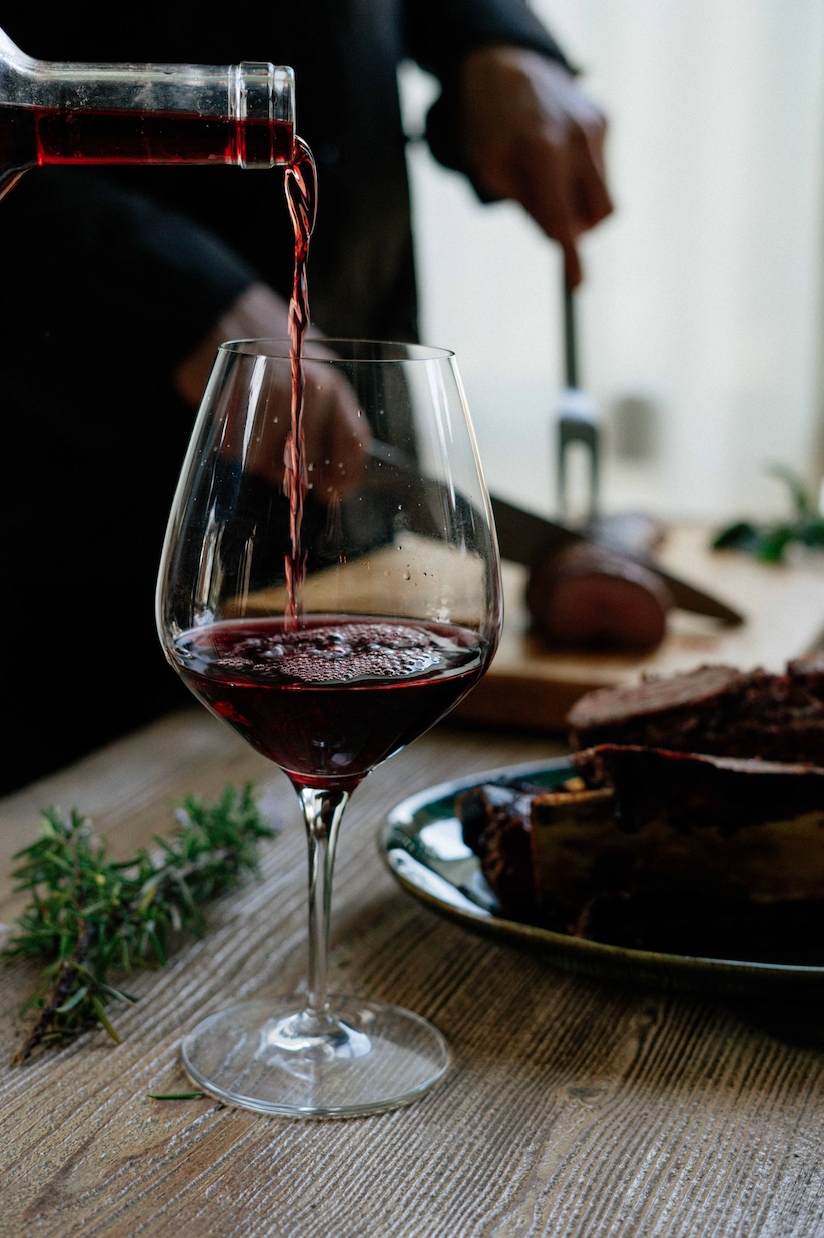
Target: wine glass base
273 1059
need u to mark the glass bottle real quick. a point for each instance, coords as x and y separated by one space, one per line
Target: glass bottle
141 114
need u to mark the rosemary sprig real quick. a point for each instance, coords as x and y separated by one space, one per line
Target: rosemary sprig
91 917
768 542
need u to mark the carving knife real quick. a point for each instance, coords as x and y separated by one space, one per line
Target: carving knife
526 538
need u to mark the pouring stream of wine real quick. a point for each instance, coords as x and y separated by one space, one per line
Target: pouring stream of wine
300 185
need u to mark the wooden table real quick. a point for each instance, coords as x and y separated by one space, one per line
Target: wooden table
572 1108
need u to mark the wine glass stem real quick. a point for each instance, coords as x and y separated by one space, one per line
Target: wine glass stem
322 811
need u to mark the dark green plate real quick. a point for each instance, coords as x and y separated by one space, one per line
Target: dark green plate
422 845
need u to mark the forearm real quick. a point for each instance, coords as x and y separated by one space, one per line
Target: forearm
439 33
512 116
441 36
258 313
87 259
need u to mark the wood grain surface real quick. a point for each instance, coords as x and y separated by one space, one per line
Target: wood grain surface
572 1110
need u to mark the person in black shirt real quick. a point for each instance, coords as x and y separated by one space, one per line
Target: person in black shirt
119 285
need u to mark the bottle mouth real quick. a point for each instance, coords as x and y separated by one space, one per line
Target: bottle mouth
262 105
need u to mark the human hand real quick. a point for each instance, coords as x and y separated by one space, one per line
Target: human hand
531 134
337 439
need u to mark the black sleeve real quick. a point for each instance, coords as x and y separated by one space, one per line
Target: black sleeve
439 33
89 259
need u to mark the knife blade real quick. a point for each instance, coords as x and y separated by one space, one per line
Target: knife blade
526 538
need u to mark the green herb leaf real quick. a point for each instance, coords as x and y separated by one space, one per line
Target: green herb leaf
176 1095
774 543
100 1010
738 536
769 542
72 1001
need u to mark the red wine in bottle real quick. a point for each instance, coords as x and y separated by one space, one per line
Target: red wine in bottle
300 184
32 135
331 699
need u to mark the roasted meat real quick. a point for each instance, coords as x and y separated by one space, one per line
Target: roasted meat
594 597
496 821
715 709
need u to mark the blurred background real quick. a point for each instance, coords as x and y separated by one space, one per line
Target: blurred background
701 321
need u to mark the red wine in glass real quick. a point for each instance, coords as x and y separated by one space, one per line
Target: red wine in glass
400 617
331 699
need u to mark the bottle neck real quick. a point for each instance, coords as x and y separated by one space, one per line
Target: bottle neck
148 114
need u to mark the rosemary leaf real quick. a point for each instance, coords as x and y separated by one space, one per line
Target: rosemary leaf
105 1020
769 542
73 1001
176 1095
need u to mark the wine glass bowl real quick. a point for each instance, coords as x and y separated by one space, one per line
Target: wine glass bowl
330 590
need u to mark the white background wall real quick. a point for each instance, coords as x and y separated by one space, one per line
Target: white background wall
703 292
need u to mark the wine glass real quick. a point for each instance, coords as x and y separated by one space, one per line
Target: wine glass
330 606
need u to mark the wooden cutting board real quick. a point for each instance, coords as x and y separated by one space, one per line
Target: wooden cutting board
532 687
